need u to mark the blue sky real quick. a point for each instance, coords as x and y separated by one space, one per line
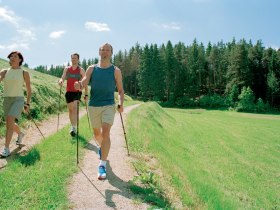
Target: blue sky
47 32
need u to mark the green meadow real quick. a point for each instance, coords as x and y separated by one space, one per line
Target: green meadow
206 159
187 158
211 159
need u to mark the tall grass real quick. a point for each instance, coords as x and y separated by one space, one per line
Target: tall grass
213 159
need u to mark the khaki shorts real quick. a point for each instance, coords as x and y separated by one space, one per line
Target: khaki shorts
102 114
13 106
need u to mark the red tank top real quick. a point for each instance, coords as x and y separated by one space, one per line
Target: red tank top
72 76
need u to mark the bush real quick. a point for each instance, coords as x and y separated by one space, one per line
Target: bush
246 101
212 101
232 98
261 106
185 101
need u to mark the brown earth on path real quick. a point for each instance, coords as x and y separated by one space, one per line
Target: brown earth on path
87 192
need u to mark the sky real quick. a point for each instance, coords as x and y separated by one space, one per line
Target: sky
48 32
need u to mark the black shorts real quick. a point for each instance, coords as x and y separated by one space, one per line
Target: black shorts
72 96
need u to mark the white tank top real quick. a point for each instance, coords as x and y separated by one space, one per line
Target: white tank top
13 83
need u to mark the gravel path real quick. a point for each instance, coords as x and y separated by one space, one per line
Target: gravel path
87 192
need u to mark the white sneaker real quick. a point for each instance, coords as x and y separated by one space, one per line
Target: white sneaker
101 172
19 138
6 152
73 131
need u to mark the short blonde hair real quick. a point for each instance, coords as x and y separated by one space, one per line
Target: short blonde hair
108 45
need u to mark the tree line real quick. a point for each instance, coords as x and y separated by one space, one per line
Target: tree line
180 75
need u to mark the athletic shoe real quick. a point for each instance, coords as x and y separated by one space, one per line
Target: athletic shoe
101 172
6 153
73 131
19 138
99 153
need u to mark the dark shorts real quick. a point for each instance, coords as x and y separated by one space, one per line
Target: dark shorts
72 96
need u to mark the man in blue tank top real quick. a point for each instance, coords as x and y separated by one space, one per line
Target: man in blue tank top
103 78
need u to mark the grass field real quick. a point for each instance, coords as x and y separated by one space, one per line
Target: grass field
206 159
212 159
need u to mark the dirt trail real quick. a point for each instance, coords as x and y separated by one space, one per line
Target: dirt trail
87 192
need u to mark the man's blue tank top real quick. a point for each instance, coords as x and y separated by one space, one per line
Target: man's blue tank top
102 86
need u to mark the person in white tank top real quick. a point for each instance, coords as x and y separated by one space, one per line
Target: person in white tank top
14 78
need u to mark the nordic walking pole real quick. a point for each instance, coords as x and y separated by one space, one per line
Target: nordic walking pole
58 112
30 117
37 127
78 103
88 116
124 132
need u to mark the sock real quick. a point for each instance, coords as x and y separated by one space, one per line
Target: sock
102 163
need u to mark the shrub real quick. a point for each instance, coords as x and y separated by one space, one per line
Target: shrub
185 101
212 101
261 106
232 98
246 101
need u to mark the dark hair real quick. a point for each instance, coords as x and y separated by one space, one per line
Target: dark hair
76 55
19 55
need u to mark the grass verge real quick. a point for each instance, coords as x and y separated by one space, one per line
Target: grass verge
38 179
212 159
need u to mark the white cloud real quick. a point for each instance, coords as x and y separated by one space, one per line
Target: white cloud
97 26
24 34
56 34
9 16
171 26
16 46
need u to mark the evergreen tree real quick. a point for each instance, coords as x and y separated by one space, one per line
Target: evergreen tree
84 64
246 100
273 85
193 70
144 81
169 69
181 71
258 81
238 70
157 74
135 66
